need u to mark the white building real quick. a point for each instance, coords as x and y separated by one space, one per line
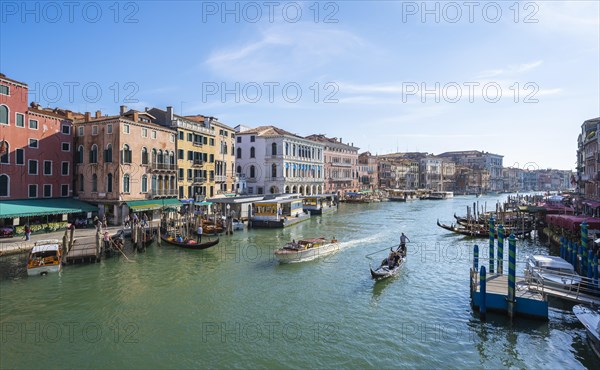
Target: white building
274 161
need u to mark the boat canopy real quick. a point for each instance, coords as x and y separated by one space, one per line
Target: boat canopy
552 262
571 222
45 248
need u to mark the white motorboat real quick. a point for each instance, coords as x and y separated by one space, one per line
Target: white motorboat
552 271
306 250
45 257
590 318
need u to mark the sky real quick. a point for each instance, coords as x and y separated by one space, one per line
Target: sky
515 78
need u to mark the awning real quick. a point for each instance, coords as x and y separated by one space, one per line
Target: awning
43 207
205 203
591 203
148 205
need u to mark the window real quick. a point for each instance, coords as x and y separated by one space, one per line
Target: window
66 147
212 142
190 137
252 138
47 191
239 139
126 183
125 129
47 168
4 185
65 169
94 154
4 90
20 120
144 155
190 155
81 182
32 191
79 156
108 152
274 149
5 150
252 171
33 124
94 130
180 135
239 153
94 183
109 183
181 173
144 132
3 114
180 154
109 128
80 130
33 167
64 190
252 152
65 129
33 143
153 134
20 153
172 138
239 169
274 170
126 154
144 184
211 158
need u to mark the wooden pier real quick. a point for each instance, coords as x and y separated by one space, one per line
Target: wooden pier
82 250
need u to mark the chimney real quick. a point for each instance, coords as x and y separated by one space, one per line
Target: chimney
123 109
98 114
135 116
87 116
340 140
169 113
69 114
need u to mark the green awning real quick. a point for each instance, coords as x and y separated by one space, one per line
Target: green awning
147 205
43 207
204 203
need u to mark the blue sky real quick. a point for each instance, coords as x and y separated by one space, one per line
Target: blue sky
384 75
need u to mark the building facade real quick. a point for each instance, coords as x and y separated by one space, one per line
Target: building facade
36 147
478 161
275 161
122 159
368 177
588 180
341 165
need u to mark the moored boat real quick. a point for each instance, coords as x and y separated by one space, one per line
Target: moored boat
439 195
319 204
590 318
306 250
45 257
552 271
237 224
188 243
390 266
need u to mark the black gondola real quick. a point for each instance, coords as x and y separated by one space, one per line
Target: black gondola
386 271
204 245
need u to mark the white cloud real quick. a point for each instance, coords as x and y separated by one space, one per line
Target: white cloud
510 70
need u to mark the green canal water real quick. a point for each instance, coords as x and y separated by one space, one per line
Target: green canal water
234 306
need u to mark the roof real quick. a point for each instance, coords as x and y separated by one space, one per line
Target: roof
43 207
44 248
268 131
3 77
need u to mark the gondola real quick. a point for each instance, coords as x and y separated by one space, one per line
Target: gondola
384 271
188 245
480 231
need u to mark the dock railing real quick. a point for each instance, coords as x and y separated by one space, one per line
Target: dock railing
575 287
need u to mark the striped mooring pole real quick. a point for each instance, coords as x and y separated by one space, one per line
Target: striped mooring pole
569 251
482 289
500 252
584 245
476 258
512 262
491 245
590 264
596 272
574 256
562 248
578 260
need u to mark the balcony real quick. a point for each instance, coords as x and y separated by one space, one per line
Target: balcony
341 164
221 178
197 163
199 180
162 193
162 166
197 143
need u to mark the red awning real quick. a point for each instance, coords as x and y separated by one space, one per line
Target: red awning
573 222
591 203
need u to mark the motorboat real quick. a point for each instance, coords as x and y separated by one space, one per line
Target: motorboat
590 318
45 257
552 271
306 250
237 224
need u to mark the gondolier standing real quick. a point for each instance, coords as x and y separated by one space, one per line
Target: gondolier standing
199 232
403 240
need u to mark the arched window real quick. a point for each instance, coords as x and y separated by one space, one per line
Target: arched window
3 114
287 148
108 154
252 152
153 184
94 154
160 157
274 170
4 152
81 188
144 155
252 171
4 185
126 183
79 158
109 183
239 153
144 184
94 183
126 158
239 169
172 159
153 155
274 149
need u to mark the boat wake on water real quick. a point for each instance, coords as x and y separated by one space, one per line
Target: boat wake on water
366 240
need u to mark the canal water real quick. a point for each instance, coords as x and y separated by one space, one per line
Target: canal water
234 306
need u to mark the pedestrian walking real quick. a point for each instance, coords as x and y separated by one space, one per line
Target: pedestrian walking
27 232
